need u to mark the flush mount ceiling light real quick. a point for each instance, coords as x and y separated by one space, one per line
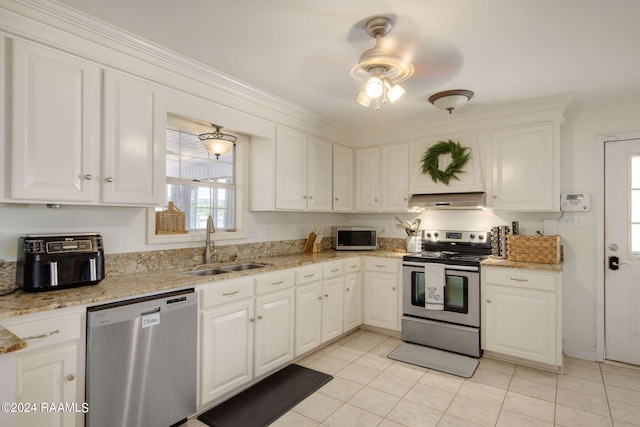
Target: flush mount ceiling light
217 142
384 69
451 99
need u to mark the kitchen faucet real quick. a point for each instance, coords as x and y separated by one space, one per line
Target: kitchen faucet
207 244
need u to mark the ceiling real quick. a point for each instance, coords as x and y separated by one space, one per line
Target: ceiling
302 51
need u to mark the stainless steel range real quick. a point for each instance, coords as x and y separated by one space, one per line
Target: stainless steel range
441 291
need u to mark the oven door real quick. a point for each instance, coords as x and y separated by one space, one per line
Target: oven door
461 294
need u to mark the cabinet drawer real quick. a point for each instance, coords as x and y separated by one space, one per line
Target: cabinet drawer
383 265
274 281
332 269
520 278
351 265
308 274
48 331
224 292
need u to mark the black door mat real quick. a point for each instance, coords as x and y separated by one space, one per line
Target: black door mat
266 401
432 358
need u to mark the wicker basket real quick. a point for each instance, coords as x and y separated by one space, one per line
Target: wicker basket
170 221
542 249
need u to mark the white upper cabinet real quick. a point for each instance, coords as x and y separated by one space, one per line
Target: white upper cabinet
55 122
303 172
342 179
134 142
395 177
525 168
57 154
469 180
368 179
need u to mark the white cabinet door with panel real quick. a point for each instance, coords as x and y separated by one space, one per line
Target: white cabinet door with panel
526 168
352 294
320 175
395 177
343 173
55 125
381 293
134 142
367 193
273 331
308 323
521 314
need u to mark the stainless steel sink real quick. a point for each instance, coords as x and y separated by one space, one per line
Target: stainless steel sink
208 272
242 267
225 269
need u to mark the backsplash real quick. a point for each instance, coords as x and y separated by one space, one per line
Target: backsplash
140 262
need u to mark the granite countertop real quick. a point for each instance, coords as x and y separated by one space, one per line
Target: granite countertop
502 262
133 285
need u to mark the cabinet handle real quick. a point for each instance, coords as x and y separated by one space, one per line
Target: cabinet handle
230 294
326 295
336 199
71 377
304 197
495 196
320 297
308 276
88 177
310 197
277 283
488 301
516 279
109 179
335 271
375 200
381 266
348 289
251 319
393 289
36 337
259 317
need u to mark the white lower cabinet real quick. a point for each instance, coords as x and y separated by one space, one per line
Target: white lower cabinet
49 371
521 315
381 294
352 294
332 308
308 329
273 331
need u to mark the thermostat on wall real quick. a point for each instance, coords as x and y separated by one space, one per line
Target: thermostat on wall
580 202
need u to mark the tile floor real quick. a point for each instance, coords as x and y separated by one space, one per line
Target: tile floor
368 389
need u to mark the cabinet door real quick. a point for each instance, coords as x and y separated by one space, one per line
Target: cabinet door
368 179
342 179
273 331
520 322
525 169
226 349
319 175
55 124
381 300
395 177
134 142
352 301
48 376
308 326
291 170
332 308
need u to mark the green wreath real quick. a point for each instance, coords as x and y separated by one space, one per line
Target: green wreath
459 157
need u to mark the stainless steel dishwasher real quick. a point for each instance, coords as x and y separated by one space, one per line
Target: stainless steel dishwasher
141 361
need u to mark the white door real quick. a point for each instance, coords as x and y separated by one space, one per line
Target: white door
273 331
622 250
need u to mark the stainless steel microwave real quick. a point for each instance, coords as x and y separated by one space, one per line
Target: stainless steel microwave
354 238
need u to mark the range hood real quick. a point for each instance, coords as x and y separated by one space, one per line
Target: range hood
473 200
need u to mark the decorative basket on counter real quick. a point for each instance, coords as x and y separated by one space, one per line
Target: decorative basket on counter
542 249
170 221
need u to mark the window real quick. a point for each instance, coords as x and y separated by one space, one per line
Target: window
199 184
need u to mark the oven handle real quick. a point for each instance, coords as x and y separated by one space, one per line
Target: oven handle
446 267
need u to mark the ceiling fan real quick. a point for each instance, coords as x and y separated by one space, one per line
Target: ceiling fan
385 68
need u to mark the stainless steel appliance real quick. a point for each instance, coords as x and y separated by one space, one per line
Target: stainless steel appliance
47 262
354 238
141 361
455 325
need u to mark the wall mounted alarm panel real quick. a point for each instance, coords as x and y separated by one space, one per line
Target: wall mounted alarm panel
576 202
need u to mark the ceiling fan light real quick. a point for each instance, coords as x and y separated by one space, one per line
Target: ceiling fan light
394 92
363 99
374 87
451 99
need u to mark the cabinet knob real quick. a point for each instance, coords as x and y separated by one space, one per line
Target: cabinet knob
348 289
88 177
495 196
393 289
304 197
326 295
375 200
109 179
310 197
488 301
320 297
336 199
71 377
251 319
259 317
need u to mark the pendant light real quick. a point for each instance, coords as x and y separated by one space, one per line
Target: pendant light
217 143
